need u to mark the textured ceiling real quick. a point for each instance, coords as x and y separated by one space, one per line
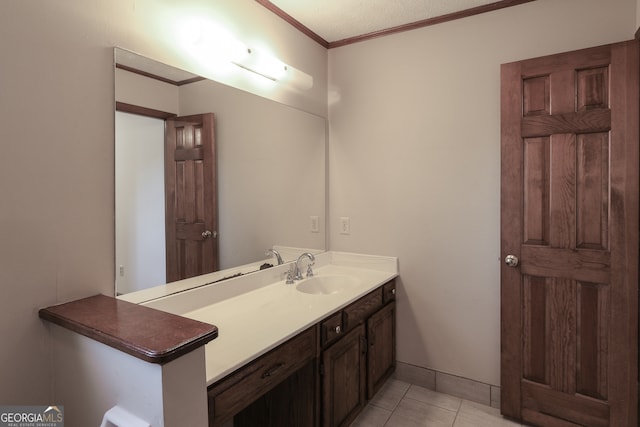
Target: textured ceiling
335 20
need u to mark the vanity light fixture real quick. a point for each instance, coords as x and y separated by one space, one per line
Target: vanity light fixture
274 69
217 42
261 63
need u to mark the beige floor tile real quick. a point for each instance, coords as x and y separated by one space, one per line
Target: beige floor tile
440 400
473 414
413 413
390 394
372 416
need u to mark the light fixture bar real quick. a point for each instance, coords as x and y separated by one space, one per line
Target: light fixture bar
223 46
262 64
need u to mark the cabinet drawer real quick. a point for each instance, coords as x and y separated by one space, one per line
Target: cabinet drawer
389 292
361 309
241 388
331 328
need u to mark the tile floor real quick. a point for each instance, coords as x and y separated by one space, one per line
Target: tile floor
400 404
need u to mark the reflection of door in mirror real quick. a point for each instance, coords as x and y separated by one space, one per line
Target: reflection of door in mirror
268 155
190 185
166 220
140 219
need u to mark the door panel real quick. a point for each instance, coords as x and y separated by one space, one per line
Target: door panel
381 356
191 211
344 380
569 212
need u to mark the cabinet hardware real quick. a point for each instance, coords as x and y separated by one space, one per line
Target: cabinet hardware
269 372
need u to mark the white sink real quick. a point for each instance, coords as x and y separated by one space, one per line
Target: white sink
326 285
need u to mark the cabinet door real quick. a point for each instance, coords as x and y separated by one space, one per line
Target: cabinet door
381 357
292 403
344 381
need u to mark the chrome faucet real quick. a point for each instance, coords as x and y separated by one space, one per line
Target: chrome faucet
297 275
276 254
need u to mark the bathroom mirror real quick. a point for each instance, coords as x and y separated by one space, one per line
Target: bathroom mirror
270 161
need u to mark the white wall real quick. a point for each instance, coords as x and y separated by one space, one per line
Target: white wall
143 91
140 222
57 162
415 163
98 377
271 170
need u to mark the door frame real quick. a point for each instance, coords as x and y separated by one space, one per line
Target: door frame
164 115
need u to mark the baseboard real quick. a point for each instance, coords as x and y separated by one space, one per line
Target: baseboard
453 385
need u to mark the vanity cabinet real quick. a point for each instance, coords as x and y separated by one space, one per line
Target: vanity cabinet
344 373
321 377
246 385
381 355
354 367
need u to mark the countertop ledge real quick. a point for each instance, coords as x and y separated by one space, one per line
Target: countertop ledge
143 332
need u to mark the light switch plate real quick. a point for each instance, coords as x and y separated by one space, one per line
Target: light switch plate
314 224
345 225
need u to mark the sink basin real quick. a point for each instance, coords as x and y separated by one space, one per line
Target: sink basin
326 285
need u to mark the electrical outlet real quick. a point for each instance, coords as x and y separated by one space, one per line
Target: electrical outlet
315 224
345 225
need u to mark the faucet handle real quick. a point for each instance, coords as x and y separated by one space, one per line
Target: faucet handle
289 277
309 270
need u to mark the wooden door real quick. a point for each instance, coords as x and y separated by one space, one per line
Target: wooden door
191 201
381 356
344 379
569 213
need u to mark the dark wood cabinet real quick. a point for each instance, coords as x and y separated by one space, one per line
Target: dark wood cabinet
246 385
291 403
321 377
355 367
381 354
344 379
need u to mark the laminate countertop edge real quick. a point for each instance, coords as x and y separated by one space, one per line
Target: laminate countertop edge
143 332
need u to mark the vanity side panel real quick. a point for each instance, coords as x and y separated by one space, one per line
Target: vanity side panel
184 388
91 378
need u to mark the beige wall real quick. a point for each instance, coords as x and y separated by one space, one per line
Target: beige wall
414 157
415 163
56 167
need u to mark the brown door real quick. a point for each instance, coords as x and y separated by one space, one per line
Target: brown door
191 201
569 213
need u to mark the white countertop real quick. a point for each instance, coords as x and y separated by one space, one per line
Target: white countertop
258 312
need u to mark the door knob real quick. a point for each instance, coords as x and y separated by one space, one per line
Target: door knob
511 260
206 234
